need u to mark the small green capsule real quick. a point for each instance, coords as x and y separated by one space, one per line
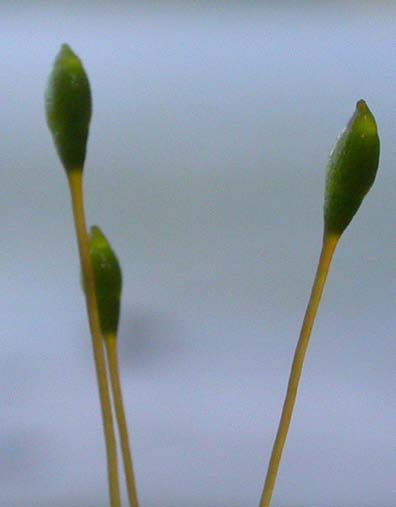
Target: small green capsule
68 108
108 281
351 169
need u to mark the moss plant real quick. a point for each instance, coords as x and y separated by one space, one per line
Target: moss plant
68 109
351 172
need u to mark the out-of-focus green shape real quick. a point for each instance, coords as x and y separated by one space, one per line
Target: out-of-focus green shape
351 169
108 281
68 108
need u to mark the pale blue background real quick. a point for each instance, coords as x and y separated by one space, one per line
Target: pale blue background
211 129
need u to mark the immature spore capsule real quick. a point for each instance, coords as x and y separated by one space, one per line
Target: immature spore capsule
108 280
68 108
351 169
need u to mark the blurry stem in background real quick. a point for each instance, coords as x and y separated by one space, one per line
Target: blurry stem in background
75 184
330 242
110 340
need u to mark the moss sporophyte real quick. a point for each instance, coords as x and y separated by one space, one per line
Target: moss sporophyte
68 110
351 171
108 285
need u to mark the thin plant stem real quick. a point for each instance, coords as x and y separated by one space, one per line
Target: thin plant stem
76 192
112 361
328 247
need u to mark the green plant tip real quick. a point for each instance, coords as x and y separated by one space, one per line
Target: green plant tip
108 281
68 108
351 169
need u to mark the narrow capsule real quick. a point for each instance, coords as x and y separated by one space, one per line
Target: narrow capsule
351 169
68 108
108 280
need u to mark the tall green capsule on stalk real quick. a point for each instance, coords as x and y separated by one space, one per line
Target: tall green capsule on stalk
351 172
108 286
69 108
68 111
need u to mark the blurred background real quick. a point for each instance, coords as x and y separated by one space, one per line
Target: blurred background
212 126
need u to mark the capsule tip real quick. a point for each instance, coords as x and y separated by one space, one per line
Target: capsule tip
362 106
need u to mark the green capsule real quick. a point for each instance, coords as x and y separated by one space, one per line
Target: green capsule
108 281
351 169
68 108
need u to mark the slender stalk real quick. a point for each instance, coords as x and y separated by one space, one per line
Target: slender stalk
76 192
328 247
112 361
